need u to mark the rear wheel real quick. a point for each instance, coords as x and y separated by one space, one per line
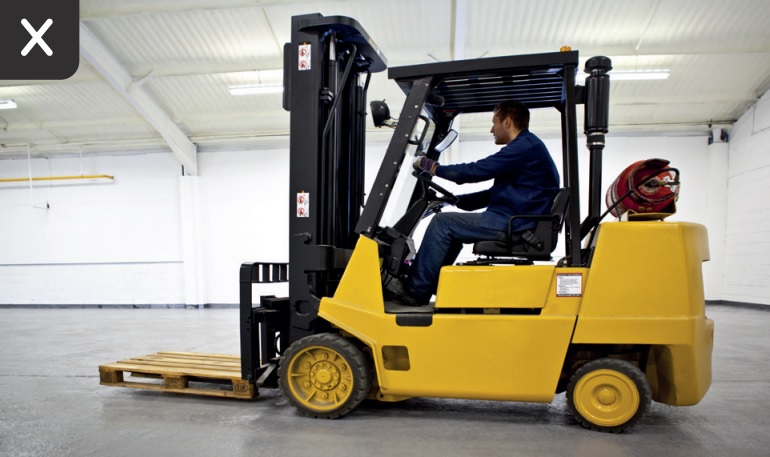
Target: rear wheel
324 375
608 395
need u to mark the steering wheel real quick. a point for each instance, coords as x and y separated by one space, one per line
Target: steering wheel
446 196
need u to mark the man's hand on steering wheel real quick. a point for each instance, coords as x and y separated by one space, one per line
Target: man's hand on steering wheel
445 196
424 164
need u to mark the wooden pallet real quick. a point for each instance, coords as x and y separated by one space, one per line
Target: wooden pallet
181 372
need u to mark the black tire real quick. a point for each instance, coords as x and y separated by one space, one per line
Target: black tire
324 376
608 395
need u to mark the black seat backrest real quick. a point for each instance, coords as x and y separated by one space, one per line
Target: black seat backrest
535 244
559 209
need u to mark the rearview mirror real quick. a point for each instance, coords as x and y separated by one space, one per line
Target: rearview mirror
447 141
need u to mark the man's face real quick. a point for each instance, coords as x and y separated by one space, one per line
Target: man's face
498 130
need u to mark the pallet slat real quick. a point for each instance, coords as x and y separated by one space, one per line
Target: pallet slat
227 366
177 370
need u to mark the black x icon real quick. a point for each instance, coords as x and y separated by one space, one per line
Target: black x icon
41 39
37 37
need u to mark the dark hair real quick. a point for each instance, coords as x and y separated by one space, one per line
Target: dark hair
517 111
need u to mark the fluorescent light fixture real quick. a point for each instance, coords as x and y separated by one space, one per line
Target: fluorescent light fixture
7 104
256 89
639 75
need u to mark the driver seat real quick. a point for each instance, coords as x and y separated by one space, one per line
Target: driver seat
531 245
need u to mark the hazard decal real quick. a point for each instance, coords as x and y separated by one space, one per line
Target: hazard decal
303 204
304 57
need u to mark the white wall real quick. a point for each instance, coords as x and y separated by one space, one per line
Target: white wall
245 197
120 243
747 264
97 242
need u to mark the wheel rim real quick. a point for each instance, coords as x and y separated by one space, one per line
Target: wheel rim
320 378
606 398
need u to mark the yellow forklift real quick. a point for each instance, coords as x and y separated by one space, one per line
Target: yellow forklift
502 327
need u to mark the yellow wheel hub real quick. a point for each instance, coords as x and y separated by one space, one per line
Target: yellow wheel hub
606 398
320 378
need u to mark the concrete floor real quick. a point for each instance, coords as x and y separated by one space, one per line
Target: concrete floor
51 403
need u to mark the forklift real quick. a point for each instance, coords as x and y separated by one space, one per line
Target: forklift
502 327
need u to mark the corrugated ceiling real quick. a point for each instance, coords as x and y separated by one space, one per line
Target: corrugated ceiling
185 53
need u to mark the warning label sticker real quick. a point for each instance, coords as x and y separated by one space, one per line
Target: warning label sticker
569 285
303 204
304 57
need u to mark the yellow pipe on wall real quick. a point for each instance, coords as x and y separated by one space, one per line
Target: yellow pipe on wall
56 178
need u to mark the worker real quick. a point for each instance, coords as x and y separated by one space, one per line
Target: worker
525 182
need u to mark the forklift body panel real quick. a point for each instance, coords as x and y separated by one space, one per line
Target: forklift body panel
448 355
663 307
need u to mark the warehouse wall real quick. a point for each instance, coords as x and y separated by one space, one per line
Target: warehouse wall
120 244
244 198
747 268
75 242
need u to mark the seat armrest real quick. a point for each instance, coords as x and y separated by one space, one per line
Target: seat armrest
535 217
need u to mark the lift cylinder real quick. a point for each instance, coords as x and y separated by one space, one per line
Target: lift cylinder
598 92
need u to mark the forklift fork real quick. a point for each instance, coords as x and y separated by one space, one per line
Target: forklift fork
264 327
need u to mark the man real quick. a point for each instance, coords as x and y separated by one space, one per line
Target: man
525 182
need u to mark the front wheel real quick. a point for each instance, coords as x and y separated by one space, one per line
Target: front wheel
324 375
608 395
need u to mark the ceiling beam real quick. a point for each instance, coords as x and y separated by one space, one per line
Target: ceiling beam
100 10
198 68
118 77
458 30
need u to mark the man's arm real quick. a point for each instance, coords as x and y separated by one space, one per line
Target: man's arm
475 200
504 162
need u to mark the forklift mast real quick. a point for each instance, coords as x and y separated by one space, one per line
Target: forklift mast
327 68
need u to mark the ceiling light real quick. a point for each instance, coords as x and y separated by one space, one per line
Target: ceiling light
636 75
256 89
639 75
7 104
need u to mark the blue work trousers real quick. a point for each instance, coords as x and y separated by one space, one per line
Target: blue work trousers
441 245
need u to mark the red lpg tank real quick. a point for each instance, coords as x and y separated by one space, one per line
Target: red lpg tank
647 186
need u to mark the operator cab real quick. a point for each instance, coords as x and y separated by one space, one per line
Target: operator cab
436 95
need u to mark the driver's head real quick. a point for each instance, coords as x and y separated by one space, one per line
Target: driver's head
517 111
510 118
